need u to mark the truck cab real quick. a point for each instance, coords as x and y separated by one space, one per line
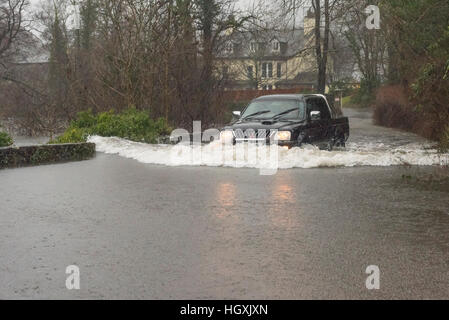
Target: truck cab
294 120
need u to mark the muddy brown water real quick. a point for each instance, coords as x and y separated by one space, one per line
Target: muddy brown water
145 231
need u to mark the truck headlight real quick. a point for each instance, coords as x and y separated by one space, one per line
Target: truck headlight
284 136
227 136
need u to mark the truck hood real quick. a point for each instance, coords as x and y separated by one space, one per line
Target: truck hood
264 125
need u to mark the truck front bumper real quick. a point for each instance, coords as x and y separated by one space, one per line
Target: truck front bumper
289 144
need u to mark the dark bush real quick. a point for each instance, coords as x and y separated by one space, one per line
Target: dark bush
393 109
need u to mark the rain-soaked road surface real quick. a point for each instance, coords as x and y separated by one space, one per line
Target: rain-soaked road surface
145 231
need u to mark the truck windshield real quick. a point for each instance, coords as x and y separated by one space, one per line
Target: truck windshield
267 109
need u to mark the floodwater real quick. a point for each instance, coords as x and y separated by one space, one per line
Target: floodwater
151 231
368 146
20 141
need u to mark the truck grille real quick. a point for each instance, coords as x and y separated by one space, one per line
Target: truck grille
251 134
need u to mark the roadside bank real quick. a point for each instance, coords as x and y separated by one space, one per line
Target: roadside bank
14 157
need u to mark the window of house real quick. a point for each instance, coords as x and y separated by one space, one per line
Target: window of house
230 47
250 72
253 46
267 70
225 71
279 70
276 46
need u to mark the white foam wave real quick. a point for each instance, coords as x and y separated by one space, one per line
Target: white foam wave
215 155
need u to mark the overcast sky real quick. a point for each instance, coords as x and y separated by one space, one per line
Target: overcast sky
242 5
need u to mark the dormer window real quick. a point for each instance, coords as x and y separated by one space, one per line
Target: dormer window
276 46
253 46
229 48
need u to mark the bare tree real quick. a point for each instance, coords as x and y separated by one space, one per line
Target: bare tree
12 25
369 47
325 13
155 55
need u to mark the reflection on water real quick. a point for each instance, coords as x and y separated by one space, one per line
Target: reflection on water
284 213
235 236
225 195
21 141
283 192
282 209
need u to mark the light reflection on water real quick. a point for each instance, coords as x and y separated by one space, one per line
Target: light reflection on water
285 211
290 236
226 198
282 207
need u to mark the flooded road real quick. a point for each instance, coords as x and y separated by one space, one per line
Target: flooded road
20 141
146 231
368 146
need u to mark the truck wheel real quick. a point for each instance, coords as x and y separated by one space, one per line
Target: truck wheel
330 145
341 142
301 140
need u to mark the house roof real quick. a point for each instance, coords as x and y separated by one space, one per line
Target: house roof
291 42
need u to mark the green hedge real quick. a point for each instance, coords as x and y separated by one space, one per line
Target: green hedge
5 139
131 124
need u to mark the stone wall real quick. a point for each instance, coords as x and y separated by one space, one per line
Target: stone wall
13 157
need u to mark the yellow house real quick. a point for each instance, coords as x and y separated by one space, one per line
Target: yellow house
269 59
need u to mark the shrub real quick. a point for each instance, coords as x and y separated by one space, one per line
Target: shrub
365 96
131 124
5 139
84 119
393 109
444 141
72 135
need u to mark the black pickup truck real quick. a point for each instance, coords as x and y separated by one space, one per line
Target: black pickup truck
294 119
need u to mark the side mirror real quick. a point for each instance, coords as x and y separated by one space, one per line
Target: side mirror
237 114
315 115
